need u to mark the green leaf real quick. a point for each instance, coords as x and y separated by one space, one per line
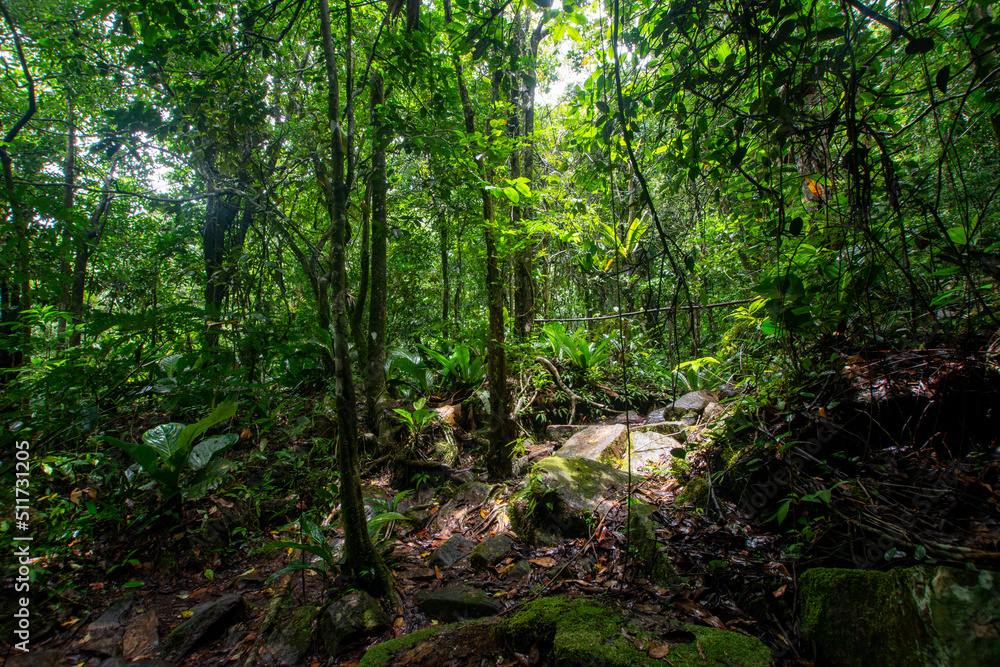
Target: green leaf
321 551
144 455
208 478
297 566
941 80
134 584
191 432
919 45
165 440
207 449
832 32
958 235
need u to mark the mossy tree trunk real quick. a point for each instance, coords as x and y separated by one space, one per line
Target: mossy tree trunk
502 431
363 565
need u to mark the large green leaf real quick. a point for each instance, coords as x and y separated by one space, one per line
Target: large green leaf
191 432
144 455
165 440
208 478
209 448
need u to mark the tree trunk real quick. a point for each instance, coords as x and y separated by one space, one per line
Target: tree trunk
85 244
360 300
502 431
66 240
445 286
375 369
15 297
363 565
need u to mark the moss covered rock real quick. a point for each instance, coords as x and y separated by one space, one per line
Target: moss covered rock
563 496
915 616
565 631
695 493
642 537
351 620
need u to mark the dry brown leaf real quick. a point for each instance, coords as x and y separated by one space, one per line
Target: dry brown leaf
701 651
544 561
716 622
658 651
437 573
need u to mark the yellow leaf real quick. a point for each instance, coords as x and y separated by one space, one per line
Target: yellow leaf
814 186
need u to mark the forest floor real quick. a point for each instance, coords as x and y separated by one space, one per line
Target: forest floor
909 474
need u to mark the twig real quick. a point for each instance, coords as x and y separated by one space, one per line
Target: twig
574 397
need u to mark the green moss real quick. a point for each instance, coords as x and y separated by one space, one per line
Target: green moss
381 654
695 493
576 631
642 537
875 608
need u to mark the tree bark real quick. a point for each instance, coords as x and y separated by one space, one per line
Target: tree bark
363 565
15 295
502 431
375 369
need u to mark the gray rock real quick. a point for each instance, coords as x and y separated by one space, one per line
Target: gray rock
348 622
456 603
142 639
916 616
472 493
34 659
456 549
104 636
597 443
564 495
116 661
632 417
693 401
289 641
209 621
521 569
648 448
490 551
114 617
672 429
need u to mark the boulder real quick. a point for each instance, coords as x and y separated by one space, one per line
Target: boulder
650 556
455 549
938 616
287 642
650 447
208 622
457 603
490 551
672 429
693 401
563 496
351 620
104 636
142 639
597 443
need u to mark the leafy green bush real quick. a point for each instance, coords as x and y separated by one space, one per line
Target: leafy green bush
167 450
575 347
463 369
